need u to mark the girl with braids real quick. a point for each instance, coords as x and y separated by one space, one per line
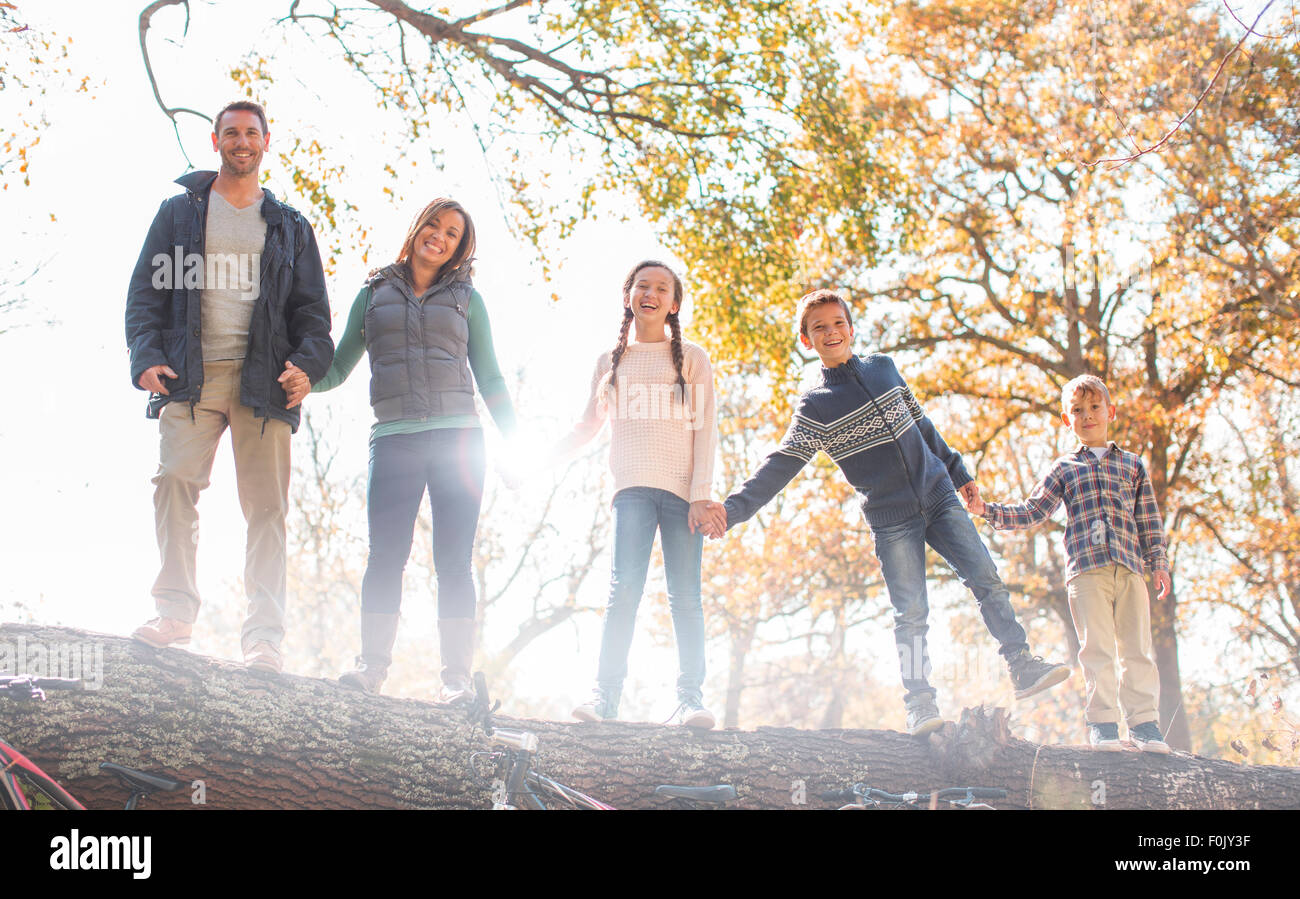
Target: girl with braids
425 328
657 393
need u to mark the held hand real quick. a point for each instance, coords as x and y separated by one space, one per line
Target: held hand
704 518
151 379
296 384
720 519
1162 584
969 493
711 518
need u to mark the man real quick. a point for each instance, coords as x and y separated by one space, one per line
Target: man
228 325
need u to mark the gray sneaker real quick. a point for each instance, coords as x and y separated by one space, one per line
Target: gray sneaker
1148 738
1030 674
923 717
601 707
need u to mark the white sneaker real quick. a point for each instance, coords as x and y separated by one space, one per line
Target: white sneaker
694 714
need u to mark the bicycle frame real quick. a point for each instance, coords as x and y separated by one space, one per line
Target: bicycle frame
13 766
523 785
865 797
519 786
16 769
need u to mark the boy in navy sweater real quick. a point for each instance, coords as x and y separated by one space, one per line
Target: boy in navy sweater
865 418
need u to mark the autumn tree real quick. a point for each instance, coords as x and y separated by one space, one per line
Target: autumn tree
1020 263
34 66
1250 511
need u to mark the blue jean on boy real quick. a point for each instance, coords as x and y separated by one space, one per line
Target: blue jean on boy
901 551
638 513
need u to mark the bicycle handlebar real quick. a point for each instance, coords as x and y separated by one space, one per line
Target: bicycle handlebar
978 792
26 686
481 709
947 794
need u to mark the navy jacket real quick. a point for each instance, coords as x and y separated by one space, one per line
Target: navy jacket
291 316
865 418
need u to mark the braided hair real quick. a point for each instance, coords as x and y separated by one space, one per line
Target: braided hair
674 324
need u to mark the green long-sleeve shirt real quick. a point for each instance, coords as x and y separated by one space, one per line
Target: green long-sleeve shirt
482 361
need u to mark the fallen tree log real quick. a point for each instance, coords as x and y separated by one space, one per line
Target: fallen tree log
246 740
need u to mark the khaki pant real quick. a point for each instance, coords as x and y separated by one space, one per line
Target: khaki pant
262 475
1110 607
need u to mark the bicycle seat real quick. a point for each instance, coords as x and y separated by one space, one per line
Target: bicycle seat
141 781
720 793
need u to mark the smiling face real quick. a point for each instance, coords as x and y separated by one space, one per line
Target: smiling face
241 141
827 330
1088 414
652 296
436 243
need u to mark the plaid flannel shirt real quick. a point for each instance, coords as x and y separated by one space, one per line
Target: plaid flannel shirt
1111 509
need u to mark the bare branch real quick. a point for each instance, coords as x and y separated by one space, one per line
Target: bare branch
1122 160
170 111
489 13
1250 29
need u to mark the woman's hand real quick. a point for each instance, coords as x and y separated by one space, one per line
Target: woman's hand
708 518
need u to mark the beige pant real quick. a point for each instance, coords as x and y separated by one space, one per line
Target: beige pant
1110 606
262 475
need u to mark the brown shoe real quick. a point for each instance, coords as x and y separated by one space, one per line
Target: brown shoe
456 646
378 633
162 632
263 656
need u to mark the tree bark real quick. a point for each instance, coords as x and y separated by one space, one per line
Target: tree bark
284 741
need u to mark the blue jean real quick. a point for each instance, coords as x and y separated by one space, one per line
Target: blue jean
901 551
638 513
449 463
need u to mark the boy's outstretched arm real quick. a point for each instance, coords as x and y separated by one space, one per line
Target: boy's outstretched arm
801 442
1038 508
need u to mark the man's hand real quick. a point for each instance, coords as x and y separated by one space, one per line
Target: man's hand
151 379
1162 584
708 518
296 384
970 496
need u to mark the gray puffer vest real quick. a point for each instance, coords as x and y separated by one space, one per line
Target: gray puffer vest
418 347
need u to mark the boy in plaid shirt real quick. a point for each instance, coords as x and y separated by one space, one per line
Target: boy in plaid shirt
1113 533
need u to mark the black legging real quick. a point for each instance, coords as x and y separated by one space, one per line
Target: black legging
449 461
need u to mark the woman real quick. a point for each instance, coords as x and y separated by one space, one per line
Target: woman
425 328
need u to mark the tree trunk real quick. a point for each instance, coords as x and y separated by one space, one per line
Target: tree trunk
1164 640
833 714
284 741
741 640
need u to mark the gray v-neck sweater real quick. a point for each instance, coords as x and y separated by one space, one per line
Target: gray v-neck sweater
232 267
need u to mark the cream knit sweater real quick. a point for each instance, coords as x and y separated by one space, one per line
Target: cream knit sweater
662 436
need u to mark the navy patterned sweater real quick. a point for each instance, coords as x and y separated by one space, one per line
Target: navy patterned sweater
865 418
